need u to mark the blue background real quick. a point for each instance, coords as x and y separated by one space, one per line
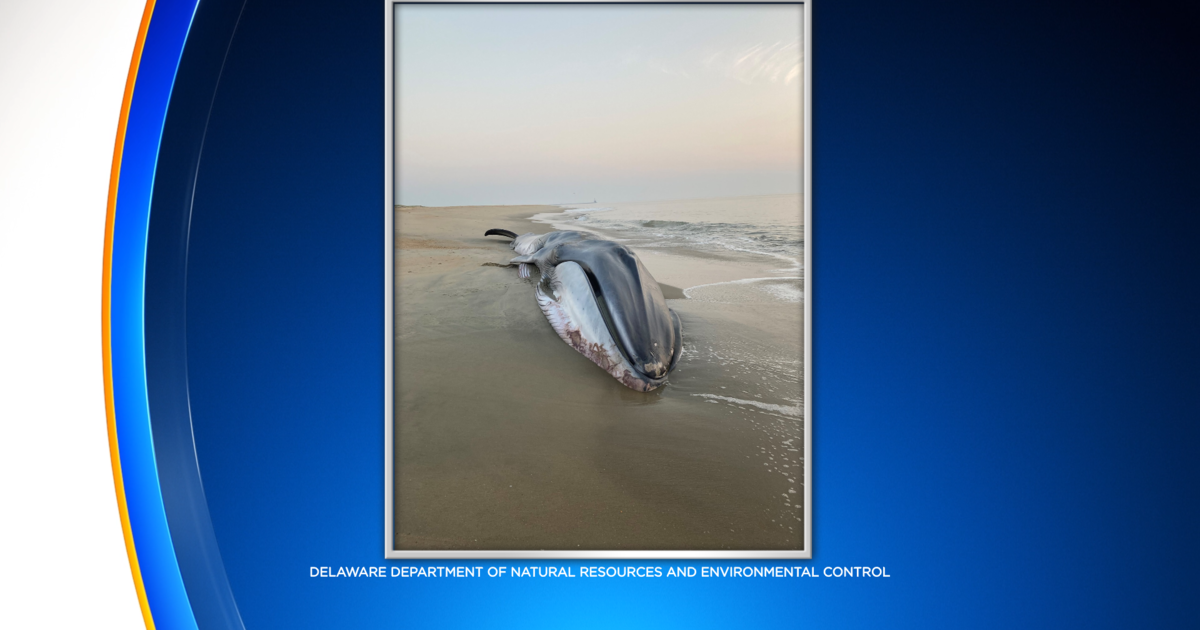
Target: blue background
1005 329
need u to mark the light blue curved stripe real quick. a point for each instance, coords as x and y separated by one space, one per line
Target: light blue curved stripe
163 48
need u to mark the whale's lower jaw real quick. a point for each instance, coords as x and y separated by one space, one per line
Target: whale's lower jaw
618 369
573 314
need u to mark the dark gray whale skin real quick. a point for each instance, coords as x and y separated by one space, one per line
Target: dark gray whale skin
645 329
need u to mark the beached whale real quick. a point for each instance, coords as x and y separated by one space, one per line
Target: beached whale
600 299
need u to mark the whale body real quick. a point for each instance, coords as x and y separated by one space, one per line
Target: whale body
601 300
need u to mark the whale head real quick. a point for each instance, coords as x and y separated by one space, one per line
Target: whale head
645 330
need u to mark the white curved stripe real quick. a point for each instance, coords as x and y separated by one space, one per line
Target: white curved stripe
787 411
742 281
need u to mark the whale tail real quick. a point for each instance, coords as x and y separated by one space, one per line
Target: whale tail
499 232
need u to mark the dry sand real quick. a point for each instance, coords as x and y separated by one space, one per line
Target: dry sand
506 438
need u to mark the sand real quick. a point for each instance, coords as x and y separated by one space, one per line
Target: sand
506 438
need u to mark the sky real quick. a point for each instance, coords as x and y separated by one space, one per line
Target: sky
527 104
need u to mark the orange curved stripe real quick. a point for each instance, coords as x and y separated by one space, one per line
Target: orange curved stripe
114 451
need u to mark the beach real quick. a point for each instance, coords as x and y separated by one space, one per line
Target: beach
506 438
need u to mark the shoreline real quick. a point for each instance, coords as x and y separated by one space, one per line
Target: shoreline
691 259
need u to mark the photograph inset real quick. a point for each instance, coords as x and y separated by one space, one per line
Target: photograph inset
599 278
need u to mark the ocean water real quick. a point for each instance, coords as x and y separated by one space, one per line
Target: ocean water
743 249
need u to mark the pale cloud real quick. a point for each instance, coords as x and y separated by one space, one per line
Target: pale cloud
777 62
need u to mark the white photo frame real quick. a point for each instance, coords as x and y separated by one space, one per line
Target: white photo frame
804 550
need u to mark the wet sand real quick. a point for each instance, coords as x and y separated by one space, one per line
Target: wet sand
506 438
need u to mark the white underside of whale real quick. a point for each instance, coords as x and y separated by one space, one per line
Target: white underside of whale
574 315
